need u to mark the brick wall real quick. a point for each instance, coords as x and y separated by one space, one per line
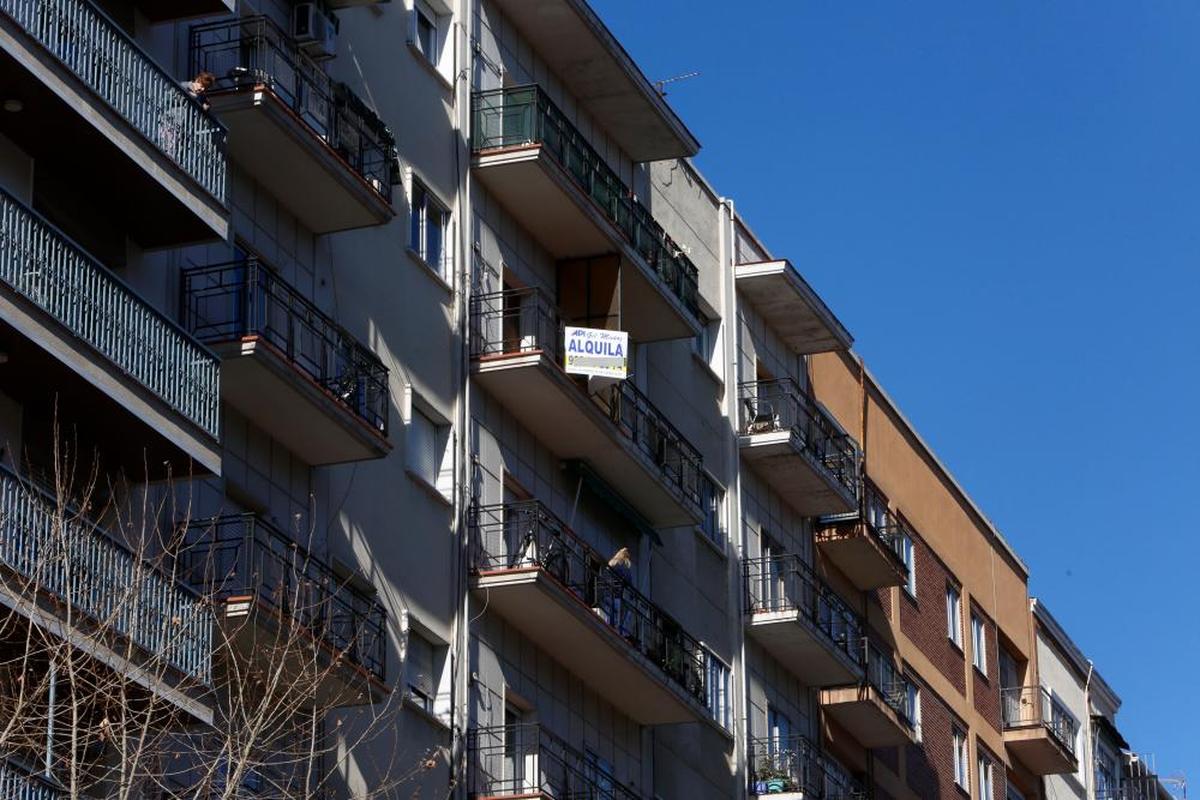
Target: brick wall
986 690
924 622
929 764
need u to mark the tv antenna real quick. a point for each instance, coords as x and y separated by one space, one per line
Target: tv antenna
661 86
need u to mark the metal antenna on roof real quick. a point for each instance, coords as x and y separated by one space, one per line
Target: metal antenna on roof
661 86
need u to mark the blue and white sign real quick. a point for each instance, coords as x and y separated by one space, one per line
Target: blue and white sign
596 352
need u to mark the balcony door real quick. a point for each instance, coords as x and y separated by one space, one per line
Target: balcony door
520 751
771 589
1010 678
519 317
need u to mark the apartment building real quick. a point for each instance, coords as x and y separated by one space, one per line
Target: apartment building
317 319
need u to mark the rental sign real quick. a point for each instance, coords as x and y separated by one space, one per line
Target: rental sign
597 353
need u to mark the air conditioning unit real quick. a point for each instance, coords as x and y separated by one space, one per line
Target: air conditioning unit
315 30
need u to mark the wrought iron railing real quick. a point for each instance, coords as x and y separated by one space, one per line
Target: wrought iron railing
779 405
528 760
794 765
253 51
527 535
58 551
1030 706
44 266
18 783
787 583
225 302
525 115
526 320
241 555
122 75
892 685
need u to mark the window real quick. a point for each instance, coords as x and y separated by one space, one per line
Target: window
779 729
710 502
978 643
600 771
909 555
718 692
430 456
961 777
705 345
419 679
912 707
954 615
430 36
984 776
429 231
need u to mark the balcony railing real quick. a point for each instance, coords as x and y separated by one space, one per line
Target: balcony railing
240 555
779 405
1029 706
525 115
17 783
793 764
225 302
890 683
41 264
528 760
254 51
787 583
99 53
61 553
526 535
526 320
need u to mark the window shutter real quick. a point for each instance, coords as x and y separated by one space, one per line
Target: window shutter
423 455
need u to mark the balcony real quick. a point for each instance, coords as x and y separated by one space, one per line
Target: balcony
130 382
793 768
516 349
530 762
1039 730
559 189
877 711
310 141
54 561
552 586
803 623
265 587
19 783
791 308
108 127
797 448
576 47
867 548
287 366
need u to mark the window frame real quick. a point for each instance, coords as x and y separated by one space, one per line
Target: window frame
440 20
908 553
954 629
979 643
913 703
962 758
423 700
984 775
442 482
719 691
420 199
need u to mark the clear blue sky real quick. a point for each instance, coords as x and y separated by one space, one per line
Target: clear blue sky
1002 203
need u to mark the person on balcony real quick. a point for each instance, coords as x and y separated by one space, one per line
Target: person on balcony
621 565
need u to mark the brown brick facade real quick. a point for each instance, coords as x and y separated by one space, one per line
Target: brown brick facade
986 690
929 764
924 622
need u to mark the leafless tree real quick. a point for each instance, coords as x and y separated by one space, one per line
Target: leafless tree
262 680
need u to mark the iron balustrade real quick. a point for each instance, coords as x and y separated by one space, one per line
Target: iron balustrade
60 552
526 535
793 764
1030 706
18 783
240 555
892 685
525 320
229 301
882 523
253 51
44 266
787 583
112 65
526 759
778 405
525 115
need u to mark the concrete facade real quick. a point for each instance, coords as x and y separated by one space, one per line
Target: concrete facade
782 624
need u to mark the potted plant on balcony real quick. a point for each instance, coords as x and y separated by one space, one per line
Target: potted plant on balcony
770 778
